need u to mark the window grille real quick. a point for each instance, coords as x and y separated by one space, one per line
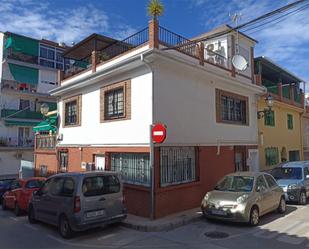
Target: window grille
135 167
177 165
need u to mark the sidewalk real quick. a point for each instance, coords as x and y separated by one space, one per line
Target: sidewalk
163 224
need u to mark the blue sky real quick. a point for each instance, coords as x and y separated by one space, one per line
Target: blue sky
287 42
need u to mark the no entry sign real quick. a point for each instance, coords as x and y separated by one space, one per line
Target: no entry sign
158 133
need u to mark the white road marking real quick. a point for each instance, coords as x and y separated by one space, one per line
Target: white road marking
31 227
296 235
13 218
106 236
268 233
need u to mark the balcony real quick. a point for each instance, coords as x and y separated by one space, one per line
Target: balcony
14 86
45 142
16 142
26 114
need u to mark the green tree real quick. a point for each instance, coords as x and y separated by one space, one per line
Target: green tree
155 8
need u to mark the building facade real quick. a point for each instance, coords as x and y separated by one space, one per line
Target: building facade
280 130
28 70
107 109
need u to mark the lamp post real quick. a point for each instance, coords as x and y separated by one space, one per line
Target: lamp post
269 103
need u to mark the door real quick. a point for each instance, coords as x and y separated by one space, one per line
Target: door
253 161
20 136
273 188
265 195
99 161
240 158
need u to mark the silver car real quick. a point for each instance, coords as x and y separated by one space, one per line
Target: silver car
78 201
244 197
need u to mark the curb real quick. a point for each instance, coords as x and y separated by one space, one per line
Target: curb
161 227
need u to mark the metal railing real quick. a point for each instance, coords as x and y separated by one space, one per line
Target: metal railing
16 142
23 114
13 85
171 39
125 45
46 142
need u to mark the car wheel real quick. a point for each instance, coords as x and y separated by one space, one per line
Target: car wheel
64 227
17 210
3 205
282 206
254 216
302 198
31 215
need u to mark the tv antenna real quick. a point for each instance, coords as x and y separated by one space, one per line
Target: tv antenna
238 61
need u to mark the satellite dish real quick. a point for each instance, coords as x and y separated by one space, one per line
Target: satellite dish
239 62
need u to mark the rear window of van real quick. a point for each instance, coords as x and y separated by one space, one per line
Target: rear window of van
100 185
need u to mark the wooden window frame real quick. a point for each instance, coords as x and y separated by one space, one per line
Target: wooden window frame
126 85
219 94
78 100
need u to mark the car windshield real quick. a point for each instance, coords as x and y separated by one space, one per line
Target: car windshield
287 173
235 184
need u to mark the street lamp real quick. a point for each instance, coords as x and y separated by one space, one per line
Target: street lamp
269 103
44 109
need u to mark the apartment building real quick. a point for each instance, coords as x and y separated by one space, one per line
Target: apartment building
280 129
109 101
28 70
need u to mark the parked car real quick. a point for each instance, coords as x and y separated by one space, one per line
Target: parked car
244 197
5 185
293 177
20 192
79 201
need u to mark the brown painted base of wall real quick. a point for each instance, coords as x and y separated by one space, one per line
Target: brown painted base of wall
212 165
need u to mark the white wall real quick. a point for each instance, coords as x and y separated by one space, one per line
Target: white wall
133 131
45 76
184 100
1 53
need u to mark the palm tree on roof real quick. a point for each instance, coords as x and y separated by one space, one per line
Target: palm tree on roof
155 8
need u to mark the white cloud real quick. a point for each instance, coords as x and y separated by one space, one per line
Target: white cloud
285 42
36 19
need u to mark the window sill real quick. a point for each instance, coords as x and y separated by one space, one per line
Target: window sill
179 186
115 119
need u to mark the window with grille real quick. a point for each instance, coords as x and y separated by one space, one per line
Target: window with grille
114 103
231 108
269 118
177 165
290 121
71 113
271 156
134 167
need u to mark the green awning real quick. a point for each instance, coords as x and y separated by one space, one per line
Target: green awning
52 106
20 123
23 44
50 124
24 74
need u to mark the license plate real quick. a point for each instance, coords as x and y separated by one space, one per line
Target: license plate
218 212
95 213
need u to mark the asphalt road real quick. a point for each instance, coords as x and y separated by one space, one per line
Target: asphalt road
275 231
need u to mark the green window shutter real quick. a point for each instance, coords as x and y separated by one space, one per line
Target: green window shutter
271 156
24 45
290 122
269 118
24 74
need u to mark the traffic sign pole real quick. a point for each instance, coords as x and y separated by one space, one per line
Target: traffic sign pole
152 174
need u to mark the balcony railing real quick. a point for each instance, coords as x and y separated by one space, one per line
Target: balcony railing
45 142
12 85
16 142
10 54
26 114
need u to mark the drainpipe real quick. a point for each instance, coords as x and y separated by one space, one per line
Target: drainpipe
152 165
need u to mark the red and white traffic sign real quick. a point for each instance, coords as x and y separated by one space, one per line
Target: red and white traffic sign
158 133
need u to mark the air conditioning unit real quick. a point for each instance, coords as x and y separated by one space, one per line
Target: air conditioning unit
83 165
60 137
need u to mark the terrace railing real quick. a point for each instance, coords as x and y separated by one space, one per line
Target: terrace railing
125 45
170 39
45 142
